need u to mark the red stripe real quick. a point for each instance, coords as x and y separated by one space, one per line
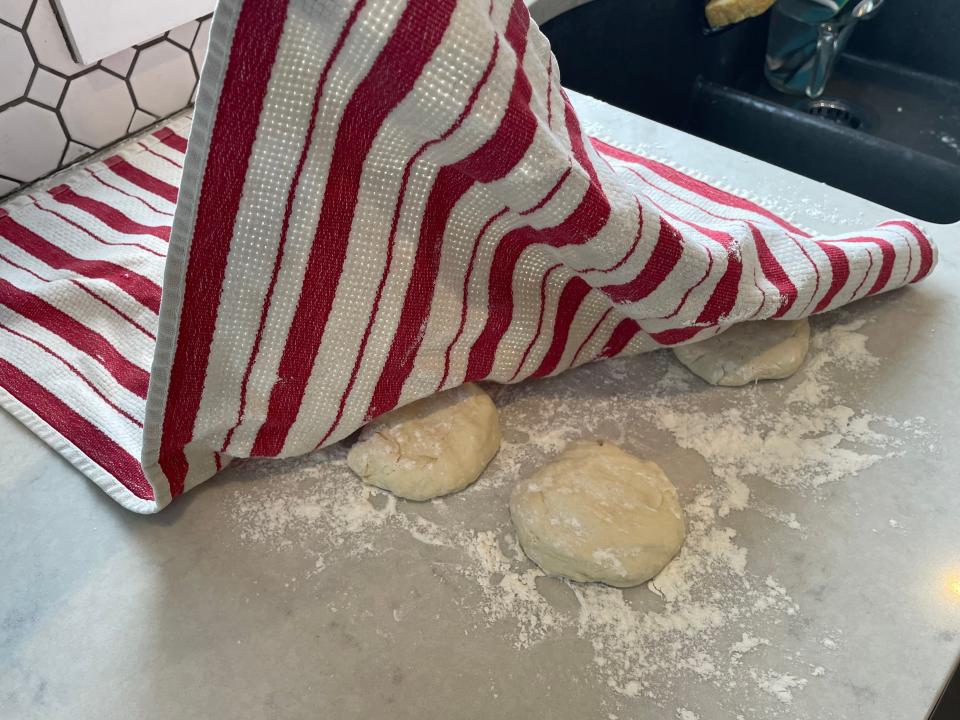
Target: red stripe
145 180
663 259
171 139
909 270
99 393
417 34
142 289
816 274
677 335
18 266
888 257
109 215
686 295
629 254
344 396
771 267
841 273
113 307
93 236
543 309
252 57
590 216
763 296
88 291
75 333
582 224
590 335
550 91
463 299
686 200
493 160
926 247
153 152
287 213
549 196
622 334
773 271
724 295
856 292
81 433
719 236
124 192
575 134
570 300
698 187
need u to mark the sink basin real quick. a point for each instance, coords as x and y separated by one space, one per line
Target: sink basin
887 128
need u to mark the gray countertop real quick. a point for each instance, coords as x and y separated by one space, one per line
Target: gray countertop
821 576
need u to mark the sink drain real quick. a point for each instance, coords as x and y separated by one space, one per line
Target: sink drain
835 111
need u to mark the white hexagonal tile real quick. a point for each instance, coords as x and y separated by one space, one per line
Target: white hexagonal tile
31 141
48 41
141 120
97 108
7 187
201 42
184 34
14 11
46 88
162 79
16 63
75 151
119 62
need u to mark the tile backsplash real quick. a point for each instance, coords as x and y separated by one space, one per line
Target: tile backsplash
54 111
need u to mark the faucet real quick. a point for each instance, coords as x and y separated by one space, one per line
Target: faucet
806 38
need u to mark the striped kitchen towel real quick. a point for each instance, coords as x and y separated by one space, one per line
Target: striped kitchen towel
381 199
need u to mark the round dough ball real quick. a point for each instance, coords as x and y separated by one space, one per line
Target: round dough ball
431 447
598 514
749 351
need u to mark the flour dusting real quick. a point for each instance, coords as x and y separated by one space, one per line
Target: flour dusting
719 615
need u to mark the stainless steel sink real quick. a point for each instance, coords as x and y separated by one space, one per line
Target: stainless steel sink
887 128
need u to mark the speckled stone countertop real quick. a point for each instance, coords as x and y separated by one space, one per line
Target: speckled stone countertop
284 590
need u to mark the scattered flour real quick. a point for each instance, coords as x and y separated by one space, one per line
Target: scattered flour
746 643
707 619
781 686
514 595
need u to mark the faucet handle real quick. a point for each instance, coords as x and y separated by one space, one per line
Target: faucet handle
807 37
832 37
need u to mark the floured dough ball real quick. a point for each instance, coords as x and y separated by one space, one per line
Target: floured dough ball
749 351
598 514
431 447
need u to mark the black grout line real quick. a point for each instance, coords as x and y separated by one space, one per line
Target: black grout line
196 31
33 8
68 78
33 76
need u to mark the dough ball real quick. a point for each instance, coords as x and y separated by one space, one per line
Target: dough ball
598 514
749 351
431 447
